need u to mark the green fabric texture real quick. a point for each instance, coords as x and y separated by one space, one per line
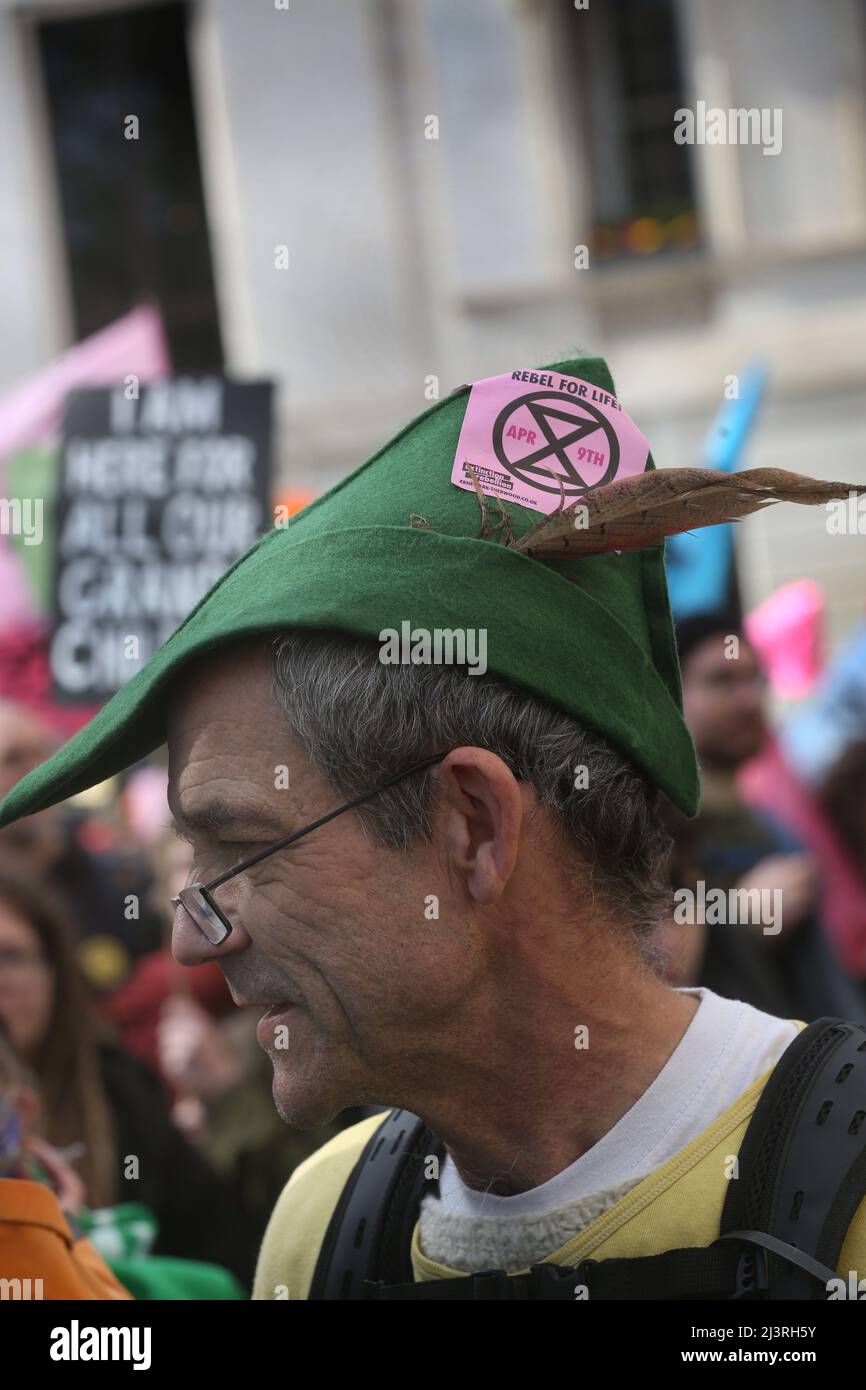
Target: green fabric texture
128 1229
593 637
153 1277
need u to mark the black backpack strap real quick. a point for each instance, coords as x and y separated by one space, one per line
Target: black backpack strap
802 1162
687 1274
368 1236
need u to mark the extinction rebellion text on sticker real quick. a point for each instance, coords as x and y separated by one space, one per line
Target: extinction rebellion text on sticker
526 432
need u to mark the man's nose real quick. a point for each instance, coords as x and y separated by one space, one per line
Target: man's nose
190 947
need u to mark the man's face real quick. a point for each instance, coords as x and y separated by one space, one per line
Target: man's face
723 702
331 930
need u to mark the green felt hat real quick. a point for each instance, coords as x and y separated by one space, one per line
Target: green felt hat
592 636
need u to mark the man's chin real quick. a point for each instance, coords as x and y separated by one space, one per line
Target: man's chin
304 1101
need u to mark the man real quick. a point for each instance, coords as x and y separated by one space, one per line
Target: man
439 884
784 965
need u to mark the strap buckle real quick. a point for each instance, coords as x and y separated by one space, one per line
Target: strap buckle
753 1271
539 1283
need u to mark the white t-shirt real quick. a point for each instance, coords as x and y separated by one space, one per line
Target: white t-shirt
726 1047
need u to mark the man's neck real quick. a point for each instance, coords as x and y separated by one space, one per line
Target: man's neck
548 1095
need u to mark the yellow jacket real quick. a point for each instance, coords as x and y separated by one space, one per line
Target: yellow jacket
679 1204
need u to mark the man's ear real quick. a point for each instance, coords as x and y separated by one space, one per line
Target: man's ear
481 812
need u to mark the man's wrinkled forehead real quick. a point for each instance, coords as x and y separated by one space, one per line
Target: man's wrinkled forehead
220 703
226 740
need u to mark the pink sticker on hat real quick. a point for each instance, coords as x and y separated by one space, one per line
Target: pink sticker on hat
524 430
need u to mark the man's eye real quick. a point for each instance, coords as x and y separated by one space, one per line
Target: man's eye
240 849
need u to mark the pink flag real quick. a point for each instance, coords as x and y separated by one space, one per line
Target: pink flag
30 413
786 631
767 782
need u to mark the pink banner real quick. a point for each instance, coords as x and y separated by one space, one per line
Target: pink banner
31 412
768 782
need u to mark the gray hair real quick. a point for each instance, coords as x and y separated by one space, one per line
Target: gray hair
362 721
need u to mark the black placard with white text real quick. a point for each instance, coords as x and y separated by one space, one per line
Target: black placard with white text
162 487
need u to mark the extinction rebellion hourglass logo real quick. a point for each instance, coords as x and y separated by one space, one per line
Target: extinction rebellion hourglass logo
576 444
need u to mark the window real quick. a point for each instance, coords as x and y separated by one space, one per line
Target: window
132 202
625 80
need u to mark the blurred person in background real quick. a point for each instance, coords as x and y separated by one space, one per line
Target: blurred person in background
792 972
136 1006
41 1251
106 894
681 945
745 970
225 1081
842 797
102 1108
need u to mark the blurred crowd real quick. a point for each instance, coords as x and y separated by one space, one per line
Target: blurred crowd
135 1090
795 851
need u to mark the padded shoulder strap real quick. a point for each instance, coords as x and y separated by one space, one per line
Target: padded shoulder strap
368 1236
802 1164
